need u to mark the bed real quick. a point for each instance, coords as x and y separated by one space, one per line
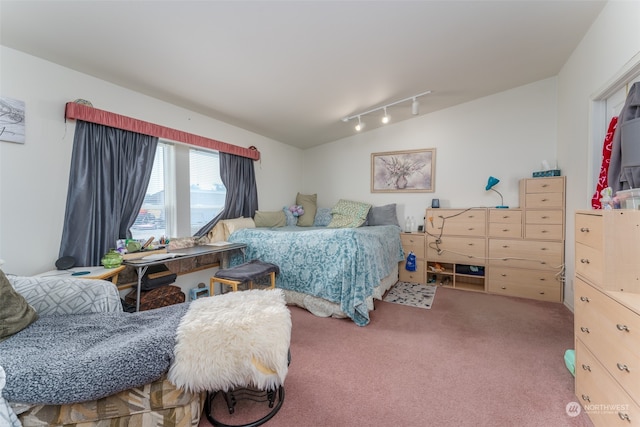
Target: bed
329 271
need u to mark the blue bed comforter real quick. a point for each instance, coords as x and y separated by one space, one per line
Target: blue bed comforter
341 265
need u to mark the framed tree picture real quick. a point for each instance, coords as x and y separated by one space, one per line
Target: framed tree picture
411 171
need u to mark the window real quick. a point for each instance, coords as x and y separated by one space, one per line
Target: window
179 171
207 194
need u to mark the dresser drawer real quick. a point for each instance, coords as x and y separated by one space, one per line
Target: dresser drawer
604 400
589 263
545 185
462 250
457 222
418 276
537 284
531 254
545 216
524 277
413 243
541 293
589 230
505 230
509 216
544 200
544 231
612 333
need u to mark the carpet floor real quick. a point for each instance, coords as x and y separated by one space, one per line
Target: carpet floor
412 294
473 359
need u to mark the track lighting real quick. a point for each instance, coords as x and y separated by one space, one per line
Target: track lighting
415 110
385 118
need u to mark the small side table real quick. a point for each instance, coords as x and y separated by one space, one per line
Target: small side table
92 273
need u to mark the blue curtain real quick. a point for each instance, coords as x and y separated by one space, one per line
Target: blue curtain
110 172
238 176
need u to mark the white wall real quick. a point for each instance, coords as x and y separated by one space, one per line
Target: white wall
506 135
34 176
611 42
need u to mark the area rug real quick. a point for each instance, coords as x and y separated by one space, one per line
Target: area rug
413 294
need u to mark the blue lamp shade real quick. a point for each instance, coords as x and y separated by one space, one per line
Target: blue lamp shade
492 181
490 184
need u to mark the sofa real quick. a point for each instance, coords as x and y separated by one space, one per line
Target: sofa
32 368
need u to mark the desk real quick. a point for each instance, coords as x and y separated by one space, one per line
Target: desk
93 273
141 264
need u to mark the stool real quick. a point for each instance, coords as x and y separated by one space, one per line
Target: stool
243 273
235 346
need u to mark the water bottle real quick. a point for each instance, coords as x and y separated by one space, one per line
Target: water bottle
407 225
413 224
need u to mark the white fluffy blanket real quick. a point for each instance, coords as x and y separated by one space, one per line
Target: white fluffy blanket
239 339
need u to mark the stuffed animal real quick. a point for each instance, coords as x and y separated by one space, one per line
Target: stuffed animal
296 210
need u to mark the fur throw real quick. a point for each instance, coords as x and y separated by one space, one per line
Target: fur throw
238 339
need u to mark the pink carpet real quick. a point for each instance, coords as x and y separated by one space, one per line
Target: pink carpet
472 360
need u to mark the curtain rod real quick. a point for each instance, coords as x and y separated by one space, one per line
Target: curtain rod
86 113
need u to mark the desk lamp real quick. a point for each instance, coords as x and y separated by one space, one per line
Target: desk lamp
490 184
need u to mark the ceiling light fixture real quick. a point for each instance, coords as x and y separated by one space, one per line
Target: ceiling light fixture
385 118
415 106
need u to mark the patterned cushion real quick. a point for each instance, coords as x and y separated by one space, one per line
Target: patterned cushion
56 295
323 217
348 213
291 219
159 403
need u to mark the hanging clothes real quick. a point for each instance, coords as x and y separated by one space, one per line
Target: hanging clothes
603 181
624 167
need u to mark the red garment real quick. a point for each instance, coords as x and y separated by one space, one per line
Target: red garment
604 169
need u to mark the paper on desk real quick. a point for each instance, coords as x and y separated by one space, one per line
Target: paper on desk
222 243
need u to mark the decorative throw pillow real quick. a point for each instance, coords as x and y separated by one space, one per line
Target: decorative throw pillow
348 213
270 219
309 203
383 215
234 224
15 312
290 218
323 217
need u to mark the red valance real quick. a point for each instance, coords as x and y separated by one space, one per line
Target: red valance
77 111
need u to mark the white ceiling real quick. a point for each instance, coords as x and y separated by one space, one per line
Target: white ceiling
291 70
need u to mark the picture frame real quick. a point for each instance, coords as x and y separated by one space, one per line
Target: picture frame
409 171
12 121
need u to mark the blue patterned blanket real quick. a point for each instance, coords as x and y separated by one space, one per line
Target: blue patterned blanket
341 265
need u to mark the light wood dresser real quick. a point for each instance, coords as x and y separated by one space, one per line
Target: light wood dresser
607 315
528 262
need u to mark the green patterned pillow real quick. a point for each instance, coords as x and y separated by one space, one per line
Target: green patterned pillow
347 213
